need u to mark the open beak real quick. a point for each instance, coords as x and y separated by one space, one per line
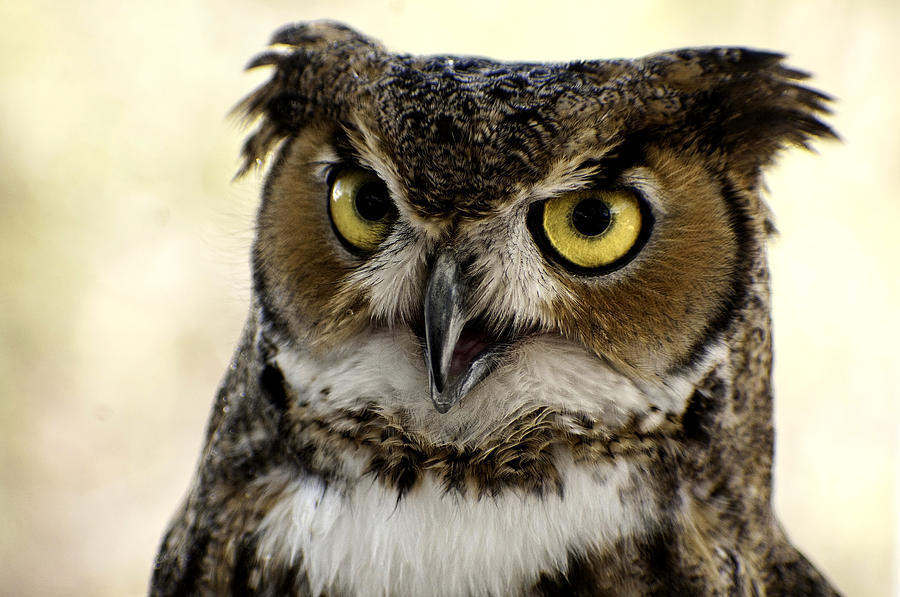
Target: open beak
459 352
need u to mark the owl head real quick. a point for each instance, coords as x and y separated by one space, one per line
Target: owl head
454 242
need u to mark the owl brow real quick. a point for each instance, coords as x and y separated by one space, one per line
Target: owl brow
605 171
628 154
594 173
345 152
323 169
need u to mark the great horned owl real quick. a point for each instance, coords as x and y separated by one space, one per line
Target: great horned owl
509 333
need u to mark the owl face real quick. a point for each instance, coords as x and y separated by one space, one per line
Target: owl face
471 240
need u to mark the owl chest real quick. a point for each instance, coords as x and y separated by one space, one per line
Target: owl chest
363 540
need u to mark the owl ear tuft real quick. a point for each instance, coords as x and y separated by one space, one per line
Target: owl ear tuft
743 106
316 35
315 64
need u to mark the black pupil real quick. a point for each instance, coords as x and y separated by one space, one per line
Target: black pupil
372 202
591 217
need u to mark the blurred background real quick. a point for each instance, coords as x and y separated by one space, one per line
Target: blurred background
123 255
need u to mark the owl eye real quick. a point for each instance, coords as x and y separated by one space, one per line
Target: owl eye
590 231
361 209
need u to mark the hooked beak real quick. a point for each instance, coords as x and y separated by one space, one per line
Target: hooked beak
458 353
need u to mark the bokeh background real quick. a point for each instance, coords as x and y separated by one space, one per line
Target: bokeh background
123 255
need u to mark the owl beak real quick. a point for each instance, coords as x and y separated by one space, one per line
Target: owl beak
455 365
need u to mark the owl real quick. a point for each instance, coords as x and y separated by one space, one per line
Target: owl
509 333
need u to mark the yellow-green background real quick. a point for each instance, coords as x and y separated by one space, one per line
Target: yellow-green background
123 255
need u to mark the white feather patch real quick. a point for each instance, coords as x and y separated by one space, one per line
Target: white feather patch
361 541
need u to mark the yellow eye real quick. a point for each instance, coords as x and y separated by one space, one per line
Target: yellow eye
361 209
590 230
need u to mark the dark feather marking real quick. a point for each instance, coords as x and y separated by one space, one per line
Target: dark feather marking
244 565
578 580
521 457
180 579
271 381
661 554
